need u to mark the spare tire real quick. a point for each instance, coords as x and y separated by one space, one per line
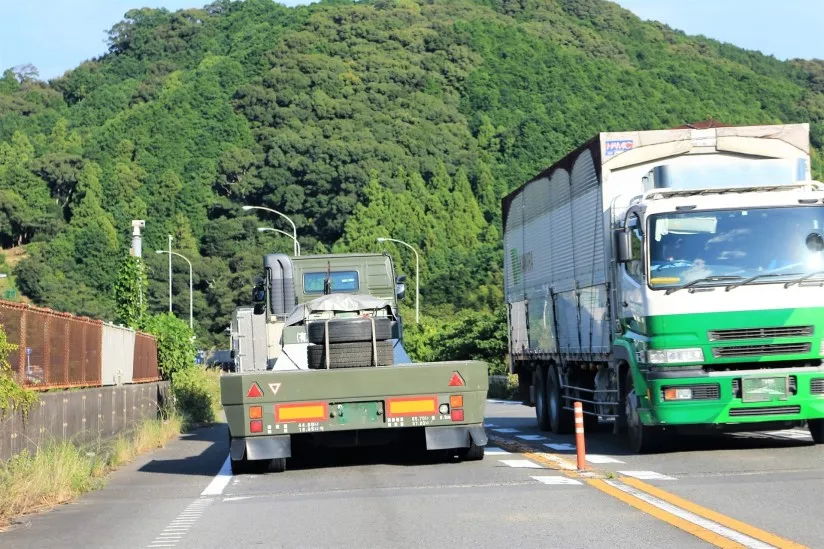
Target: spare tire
348 330
349 355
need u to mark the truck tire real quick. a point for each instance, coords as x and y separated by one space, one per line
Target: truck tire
560 420
349 330
541 409
816 427
473 453
643 439
349 355
240 467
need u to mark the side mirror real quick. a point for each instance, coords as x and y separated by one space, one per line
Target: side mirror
232 354
623 245
400 279
259 309
400 291
259 294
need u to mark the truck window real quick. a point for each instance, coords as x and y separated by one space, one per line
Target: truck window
635 268
342 281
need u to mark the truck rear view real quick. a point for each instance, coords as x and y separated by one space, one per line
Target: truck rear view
337 374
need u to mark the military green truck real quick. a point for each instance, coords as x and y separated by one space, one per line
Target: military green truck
337 374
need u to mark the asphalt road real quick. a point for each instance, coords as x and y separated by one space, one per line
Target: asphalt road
184 496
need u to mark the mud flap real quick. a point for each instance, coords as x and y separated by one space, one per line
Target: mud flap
261 448
459 436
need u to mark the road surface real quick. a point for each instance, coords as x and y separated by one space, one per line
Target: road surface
520 495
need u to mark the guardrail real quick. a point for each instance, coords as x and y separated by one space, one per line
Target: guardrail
60 350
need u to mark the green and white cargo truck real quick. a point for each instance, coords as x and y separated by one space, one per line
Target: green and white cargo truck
671 281
336 373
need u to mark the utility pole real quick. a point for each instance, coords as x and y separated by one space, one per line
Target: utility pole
137 251
170 273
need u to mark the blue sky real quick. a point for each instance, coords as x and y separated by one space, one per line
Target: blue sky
56 35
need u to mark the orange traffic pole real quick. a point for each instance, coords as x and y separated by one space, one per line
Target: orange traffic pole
579 436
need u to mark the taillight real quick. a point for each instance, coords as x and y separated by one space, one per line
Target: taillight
256 412
256 426
456 403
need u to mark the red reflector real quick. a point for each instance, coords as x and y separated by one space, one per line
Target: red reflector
256 425
254 391
457 415
456 381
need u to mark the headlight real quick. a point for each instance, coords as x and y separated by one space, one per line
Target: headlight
674 356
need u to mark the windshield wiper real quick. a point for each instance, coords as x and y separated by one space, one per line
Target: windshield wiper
697 280
803 278
756 277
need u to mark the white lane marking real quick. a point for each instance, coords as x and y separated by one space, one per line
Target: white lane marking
714 527
495 451
561 447
521 463
507 402
238 498
179 527
647 475
531 437
596 458
506 430
558 480
490 424
220 481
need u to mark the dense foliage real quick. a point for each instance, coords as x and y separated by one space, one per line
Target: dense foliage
400 118
13 396
175 348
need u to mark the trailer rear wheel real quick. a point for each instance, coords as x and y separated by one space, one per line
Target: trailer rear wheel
642 438
276 465
541 413
816 427
559 418
473 453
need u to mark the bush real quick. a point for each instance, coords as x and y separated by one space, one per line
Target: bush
12 396
175 348
197 395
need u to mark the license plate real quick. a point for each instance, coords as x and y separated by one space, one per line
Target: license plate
764 389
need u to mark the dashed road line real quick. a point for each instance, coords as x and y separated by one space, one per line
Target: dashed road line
506 430
599 459
495 451
531 437
179 527
562 447
558 480
647 475
520 463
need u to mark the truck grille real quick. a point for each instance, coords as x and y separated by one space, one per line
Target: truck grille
817 386
704 391
766 411
761 350
760 333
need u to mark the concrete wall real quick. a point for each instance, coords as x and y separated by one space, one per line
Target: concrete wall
83 416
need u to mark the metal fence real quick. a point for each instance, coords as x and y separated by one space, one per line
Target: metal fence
58 350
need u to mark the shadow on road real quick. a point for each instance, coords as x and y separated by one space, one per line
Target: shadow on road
205 463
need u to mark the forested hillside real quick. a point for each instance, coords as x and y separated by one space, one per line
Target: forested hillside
396 118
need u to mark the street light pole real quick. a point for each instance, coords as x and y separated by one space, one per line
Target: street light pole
417 275
296 247
296 243
170 273
190 280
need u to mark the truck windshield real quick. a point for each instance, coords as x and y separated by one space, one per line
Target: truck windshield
737 244
342 281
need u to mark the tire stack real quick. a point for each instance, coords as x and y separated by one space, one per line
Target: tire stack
350 343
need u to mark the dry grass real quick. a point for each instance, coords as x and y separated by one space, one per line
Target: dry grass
60 471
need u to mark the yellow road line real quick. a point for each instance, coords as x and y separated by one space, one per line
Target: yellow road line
729 522
569 469
669 518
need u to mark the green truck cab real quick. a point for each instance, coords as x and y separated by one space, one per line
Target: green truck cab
336 373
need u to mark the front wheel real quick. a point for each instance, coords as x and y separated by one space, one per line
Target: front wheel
473 453
642 438
816 427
